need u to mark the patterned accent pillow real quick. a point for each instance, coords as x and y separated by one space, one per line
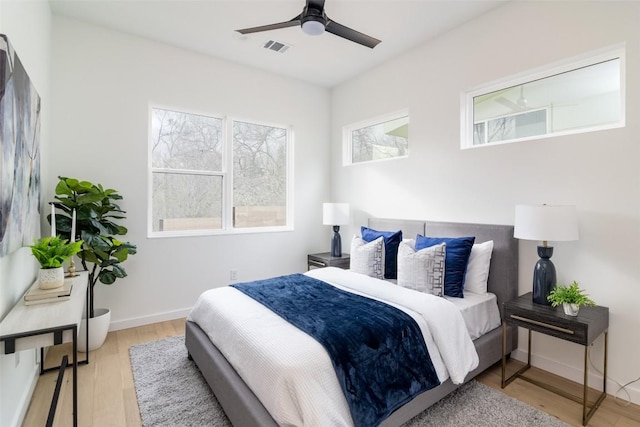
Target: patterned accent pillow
368 258
422 270
457 257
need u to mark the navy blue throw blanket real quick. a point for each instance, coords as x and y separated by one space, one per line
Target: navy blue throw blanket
378 351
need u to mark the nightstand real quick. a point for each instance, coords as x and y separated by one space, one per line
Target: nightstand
325 259
583 329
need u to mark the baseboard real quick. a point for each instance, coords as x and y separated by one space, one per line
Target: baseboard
25 399
147 320
576 374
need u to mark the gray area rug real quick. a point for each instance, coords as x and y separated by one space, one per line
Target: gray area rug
172 392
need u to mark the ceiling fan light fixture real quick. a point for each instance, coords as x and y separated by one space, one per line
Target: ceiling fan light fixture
313 26
522 102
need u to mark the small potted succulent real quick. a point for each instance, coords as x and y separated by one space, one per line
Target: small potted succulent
571 297
51 252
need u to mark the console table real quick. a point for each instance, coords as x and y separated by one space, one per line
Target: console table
583 329
43 325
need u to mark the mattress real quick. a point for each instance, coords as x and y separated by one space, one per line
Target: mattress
292 374
480 312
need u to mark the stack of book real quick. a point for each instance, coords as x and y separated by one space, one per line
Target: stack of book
35 295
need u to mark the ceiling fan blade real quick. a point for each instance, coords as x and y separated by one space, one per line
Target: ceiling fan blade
292 23
509 104
350 34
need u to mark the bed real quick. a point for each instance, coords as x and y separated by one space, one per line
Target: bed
243 407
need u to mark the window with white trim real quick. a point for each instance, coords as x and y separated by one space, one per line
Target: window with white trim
215 175
381 138
583 94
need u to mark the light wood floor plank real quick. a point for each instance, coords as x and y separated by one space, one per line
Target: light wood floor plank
106 394
609 414
131 410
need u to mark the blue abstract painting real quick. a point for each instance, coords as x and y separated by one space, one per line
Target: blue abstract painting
19 153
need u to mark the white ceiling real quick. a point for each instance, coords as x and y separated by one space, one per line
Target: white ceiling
207 26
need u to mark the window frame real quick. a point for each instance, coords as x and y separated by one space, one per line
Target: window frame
347 141
467 97
226 173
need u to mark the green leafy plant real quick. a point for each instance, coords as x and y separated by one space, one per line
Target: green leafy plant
102 252
571 294
51 252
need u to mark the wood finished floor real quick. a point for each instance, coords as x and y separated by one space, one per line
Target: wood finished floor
106 394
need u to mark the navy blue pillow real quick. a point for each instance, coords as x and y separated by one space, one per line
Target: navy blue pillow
392 240
455 261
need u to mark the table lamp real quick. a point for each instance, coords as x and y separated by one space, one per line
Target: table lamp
545 223
335 214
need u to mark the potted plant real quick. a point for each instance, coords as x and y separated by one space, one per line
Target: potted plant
571 297
51 252
102 251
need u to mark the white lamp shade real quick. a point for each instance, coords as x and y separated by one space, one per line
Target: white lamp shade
335 213
546 223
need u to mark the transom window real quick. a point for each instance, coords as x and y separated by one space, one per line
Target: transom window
213 174
580 95
381 138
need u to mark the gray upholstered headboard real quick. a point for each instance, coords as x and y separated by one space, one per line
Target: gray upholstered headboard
410 227
503 273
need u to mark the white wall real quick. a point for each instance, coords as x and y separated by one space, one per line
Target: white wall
103 83
28 27
596 171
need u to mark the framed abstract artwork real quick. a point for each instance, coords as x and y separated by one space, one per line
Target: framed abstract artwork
19 153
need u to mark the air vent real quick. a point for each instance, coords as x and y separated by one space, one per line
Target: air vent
276 46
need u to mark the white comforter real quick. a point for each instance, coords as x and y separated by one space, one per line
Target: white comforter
292 374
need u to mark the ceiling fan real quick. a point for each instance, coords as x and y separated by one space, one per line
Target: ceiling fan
314 21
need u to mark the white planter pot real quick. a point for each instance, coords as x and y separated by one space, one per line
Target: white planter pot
570 309
50 278
98 329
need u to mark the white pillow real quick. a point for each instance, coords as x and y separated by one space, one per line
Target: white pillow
368 258
478 268
422 270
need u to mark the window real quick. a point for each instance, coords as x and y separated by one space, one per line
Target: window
382 138
580 95
259 175
213 174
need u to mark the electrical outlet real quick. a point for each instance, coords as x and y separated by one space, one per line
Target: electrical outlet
233 275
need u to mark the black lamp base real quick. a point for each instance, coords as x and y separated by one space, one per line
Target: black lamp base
336 242
544 276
